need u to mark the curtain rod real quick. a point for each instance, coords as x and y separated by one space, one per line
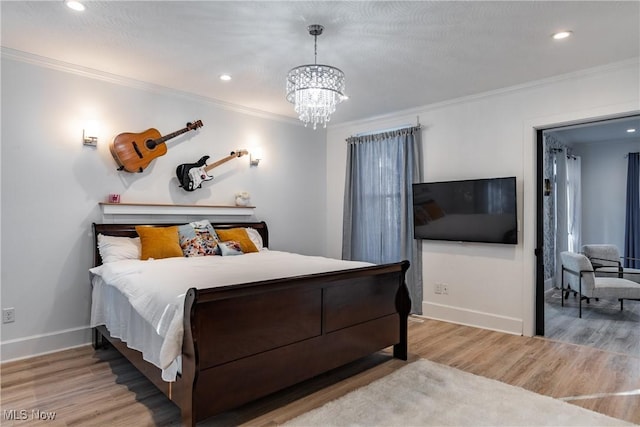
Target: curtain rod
384 131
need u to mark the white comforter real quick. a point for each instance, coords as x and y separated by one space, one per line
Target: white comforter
156 289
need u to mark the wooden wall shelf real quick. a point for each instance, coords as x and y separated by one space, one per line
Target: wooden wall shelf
163 209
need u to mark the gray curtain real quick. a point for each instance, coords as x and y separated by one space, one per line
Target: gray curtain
553 149
378 203
632 221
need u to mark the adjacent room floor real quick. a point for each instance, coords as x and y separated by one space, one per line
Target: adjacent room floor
603 325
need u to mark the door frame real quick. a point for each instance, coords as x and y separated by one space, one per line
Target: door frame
539 322
539 248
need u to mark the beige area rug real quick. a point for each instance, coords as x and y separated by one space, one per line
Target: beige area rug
424 393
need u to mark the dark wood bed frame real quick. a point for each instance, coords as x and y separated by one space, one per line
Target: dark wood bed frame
249 340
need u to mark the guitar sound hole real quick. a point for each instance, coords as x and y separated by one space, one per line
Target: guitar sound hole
151 144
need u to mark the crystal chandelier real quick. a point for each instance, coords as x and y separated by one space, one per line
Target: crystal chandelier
316 89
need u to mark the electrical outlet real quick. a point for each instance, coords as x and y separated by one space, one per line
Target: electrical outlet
445 289
438 288
8 315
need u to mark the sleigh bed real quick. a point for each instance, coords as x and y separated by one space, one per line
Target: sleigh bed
244 341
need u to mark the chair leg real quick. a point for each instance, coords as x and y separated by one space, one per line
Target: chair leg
621 304
580 298
568 292
562 297
580 307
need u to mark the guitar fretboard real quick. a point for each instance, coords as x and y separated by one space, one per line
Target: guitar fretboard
190 126
172 135
233 155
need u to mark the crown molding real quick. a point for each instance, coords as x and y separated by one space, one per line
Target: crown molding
629 63
91 73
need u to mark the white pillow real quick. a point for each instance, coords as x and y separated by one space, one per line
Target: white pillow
255 237
113 248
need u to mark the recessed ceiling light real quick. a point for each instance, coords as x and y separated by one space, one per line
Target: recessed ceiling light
75 5
225 77
631 130
562 35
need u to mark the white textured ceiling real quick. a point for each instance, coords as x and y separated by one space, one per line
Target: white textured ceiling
396 55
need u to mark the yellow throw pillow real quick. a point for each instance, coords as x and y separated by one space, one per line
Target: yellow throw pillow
238 235
159 242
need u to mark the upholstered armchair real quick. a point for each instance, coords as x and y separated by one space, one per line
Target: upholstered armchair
607 262
580 277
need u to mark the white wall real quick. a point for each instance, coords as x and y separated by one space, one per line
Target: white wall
52 184
490 286
604 190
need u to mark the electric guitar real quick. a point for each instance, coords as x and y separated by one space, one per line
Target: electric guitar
134 151
192 175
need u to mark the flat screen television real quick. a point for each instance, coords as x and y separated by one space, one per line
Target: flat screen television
475 210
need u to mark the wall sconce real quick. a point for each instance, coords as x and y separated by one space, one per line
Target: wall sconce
91 141
91 127
254 157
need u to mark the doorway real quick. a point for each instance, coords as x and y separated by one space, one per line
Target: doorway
588 140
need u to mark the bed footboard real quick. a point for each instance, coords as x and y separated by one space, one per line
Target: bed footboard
245 342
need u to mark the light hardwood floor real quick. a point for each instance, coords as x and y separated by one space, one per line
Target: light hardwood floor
84 387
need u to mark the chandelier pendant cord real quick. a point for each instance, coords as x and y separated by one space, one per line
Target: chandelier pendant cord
315 49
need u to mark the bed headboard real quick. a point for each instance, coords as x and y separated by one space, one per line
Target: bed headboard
129 230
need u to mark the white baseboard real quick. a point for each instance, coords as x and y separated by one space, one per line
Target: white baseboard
473 318
36 345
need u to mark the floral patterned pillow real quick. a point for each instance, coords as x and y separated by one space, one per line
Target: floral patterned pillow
230 247
198 239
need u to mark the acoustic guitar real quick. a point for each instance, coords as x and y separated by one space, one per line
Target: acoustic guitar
134 151
192 175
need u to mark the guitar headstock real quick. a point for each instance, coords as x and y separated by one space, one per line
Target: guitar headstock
195 125
240 153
